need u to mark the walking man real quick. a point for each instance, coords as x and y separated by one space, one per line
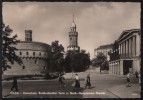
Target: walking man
128 80
88 82
14 85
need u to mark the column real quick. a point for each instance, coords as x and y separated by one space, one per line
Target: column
138 44
121 67
117 68
126 48
110 70
123 49
130 47
133 46
113 67
119 49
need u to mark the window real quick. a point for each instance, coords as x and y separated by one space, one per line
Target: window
40 54
20 53
44 54
34 53
27 53
23 67
70 38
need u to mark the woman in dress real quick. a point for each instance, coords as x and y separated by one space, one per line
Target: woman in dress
88 81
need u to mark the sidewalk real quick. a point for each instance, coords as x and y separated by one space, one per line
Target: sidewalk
126 92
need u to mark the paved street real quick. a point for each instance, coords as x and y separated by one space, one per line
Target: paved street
103 86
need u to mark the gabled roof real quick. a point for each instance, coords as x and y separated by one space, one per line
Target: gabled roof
127 32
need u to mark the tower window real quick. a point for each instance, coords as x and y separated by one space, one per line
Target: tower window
20 53
34 53
23 67
27 53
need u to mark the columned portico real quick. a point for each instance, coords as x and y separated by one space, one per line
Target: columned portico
129 51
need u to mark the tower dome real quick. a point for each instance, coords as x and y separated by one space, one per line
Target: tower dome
73 24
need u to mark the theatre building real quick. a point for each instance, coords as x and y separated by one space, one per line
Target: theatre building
129 47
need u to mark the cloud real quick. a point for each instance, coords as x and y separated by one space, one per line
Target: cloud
98 23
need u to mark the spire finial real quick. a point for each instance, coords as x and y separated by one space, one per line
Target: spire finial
73 17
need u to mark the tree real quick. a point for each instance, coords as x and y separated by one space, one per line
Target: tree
101 61
8 48
101 58
77 61
95 62
114 55
56 57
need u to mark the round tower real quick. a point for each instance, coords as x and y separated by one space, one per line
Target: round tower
28 35
73 38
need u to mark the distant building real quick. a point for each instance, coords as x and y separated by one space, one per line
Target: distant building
33 54
73 38
129 51
104 49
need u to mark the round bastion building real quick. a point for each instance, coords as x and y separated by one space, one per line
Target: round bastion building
34 56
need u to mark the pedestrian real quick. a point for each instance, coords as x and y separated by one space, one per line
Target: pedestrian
14 84
61 80
128 80
88 82
77 83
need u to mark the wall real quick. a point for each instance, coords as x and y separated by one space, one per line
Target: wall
34 64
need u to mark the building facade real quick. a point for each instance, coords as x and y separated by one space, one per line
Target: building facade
73 38
129 51
103 49
34 56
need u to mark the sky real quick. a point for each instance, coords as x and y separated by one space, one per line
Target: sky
98 23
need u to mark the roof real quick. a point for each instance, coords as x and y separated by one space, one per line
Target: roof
34 42
127 32
105 46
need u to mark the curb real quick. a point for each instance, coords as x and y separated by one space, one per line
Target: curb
112 93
